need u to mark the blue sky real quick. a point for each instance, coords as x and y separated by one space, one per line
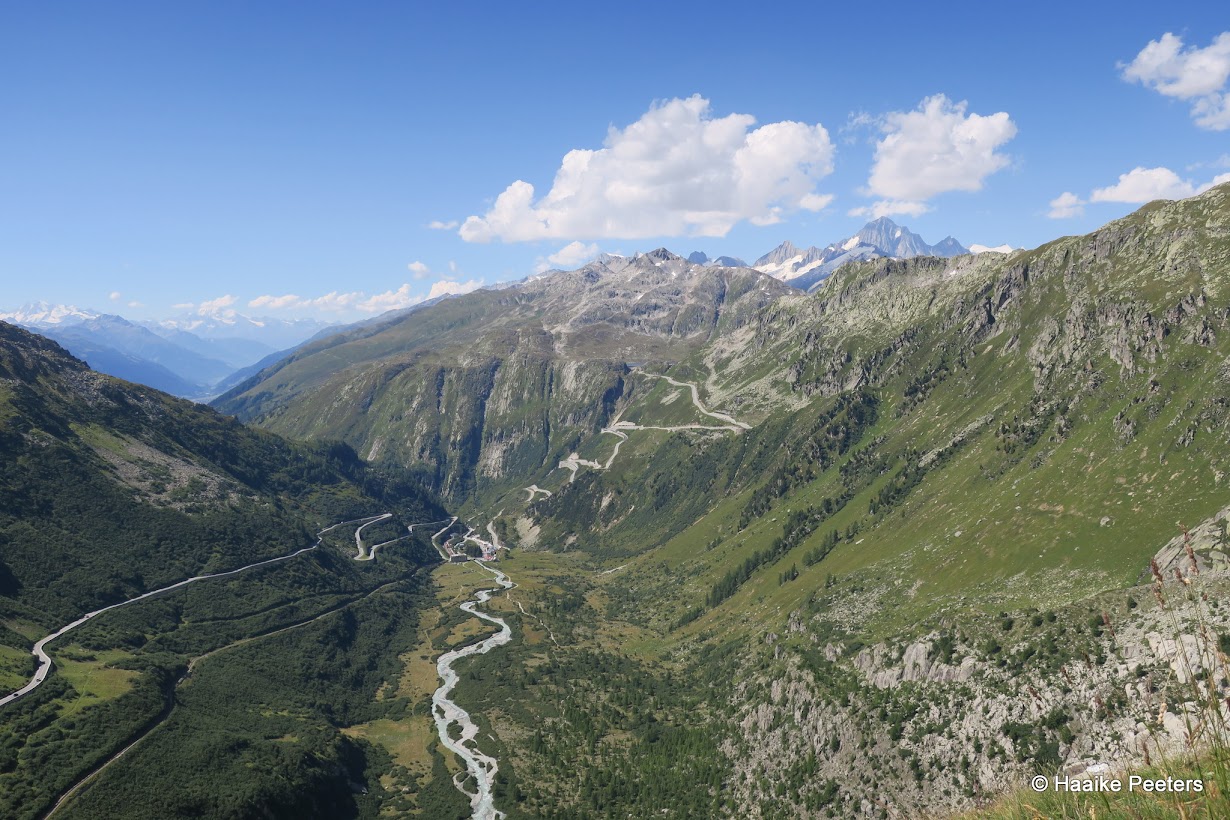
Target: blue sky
260 157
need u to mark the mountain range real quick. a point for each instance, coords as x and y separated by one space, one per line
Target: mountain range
186 357
879 239
888 548
883 238
856 524
197 356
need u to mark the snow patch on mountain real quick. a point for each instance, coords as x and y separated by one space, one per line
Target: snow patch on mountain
878 239
41 314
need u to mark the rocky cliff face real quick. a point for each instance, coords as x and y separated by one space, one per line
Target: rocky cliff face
1117 293
492 386
948 721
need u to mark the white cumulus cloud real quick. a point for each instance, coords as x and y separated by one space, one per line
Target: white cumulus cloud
573 254
890 207
220 307
931 150
1196 75
442 225
1066 206
815 202
418 269
358 301
389 300
1136 187
444 286
216 307
269 302
1220 179
115 296
1145 185
677 170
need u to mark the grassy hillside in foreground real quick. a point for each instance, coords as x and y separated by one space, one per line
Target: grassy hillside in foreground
237 690
108 489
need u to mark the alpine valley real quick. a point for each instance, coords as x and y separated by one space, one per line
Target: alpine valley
855 531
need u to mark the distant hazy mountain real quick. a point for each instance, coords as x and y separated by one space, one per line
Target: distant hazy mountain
235 351
244 373
118 347
273 333
701 258
882 238
165 355
893 240
350 331
117 333
125 366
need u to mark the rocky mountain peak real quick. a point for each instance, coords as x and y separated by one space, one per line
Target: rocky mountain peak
881 237
949 246
782 253
661 255
892 240
702 258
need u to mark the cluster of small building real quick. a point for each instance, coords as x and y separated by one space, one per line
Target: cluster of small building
455 549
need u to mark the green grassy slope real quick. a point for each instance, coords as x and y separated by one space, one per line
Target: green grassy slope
942 451
1039 425
108 490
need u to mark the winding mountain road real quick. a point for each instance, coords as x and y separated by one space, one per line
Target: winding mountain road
162 717
534 490
358 536
696 401
445 711
620 429
40 648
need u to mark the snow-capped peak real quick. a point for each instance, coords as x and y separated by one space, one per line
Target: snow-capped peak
43 313
976 249
879 238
